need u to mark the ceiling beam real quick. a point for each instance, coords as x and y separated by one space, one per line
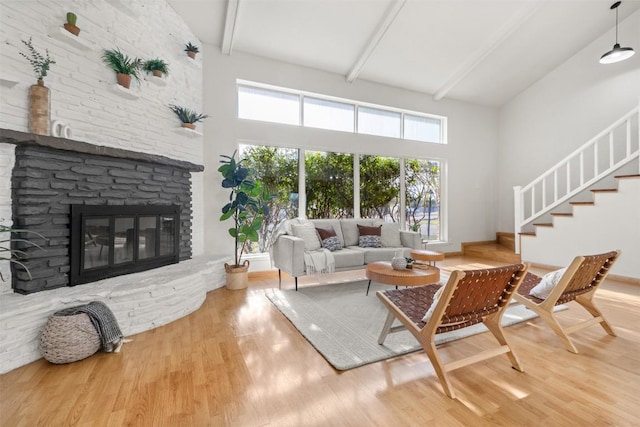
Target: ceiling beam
389 17
490 45
230 26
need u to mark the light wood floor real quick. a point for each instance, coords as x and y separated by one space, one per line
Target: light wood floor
237 361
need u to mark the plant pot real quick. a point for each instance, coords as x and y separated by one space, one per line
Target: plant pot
157 73
237 276
72 29
191 54
39 109
124 80
191 126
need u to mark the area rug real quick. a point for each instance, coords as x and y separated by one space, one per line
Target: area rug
343 323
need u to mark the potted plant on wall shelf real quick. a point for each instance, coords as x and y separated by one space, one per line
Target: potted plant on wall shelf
188 117
247 208
156 66
191 50
124 66
70 25
39 95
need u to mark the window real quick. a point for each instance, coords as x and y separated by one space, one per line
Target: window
329 184
268 105
379 188
422 197
278 105
324 114
421 128
373 121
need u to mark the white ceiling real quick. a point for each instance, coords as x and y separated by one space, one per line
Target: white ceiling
479 51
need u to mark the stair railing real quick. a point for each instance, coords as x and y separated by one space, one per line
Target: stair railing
609 150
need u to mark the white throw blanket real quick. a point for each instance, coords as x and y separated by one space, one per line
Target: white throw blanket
315 262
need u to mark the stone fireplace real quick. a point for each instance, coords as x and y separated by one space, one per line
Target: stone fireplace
104 208
48 181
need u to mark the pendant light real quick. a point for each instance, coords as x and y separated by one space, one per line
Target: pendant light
618 53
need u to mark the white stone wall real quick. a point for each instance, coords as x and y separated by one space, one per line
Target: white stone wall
139 301
7 159
82 98
81 84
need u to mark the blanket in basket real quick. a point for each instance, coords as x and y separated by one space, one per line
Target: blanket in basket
103 320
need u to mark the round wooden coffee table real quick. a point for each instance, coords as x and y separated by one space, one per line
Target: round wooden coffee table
382 272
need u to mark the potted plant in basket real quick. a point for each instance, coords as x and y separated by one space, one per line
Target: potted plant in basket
70 25
247 208
124 66
188 117
191 50
156 66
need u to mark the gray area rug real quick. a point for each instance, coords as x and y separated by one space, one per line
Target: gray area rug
343 324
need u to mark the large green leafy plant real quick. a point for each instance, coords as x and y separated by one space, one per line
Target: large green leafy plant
247 204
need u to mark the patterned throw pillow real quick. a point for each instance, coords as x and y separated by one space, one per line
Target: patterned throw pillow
332 243
369 242
329 238
369 236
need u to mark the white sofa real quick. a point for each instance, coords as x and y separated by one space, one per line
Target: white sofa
288 250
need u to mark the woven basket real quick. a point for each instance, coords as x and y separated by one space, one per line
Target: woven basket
66 339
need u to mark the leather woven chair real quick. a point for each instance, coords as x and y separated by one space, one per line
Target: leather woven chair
579 283
468 298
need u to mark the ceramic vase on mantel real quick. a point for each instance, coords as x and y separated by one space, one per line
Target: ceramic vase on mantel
39 109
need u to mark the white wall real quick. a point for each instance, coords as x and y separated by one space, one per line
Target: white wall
590 231
562 111
470 154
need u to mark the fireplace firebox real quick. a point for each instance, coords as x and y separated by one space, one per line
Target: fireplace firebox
108 241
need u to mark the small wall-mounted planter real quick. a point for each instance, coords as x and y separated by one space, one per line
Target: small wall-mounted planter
8 81
158 81
63 35
123 92
191 133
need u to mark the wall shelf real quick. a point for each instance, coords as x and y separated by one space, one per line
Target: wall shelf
8 81
123 92
188 132
158 81
59 33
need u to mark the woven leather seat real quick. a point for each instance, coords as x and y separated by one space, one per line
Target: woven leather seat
579 283
468 298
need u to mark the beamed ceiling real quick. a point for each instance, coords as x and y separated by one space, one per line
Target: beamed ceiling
478 51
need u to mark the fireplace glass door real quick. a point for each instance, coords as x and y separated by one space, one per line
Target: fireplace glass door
109 241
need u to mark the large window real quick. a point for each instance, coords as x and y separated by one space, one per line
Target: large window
280 105
330 190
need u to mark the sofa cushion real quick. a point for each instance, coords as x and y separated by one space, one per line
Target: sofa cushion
329 239
380 254
348 258
350 230
390 235
308 233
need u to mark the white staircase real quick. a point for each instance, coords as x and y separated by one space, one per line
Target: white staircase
615 147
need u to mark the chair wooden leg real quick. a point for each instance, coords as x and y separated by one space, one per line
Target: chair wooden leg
430 350
386 328
587 302
493 323
551 320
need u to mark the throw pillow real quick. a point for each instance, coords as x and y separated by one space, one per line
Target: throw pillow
329 238
364 230
546 285
369 242
429 312
308 233
390 235
332 243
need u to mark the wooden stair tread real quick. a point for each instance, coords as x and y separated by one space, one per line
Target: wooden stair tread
491 251
604 190
581 203
527 233
635 175
561 214
543 224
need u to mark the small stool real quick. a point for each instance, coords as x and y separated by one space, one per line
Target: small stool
430 257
